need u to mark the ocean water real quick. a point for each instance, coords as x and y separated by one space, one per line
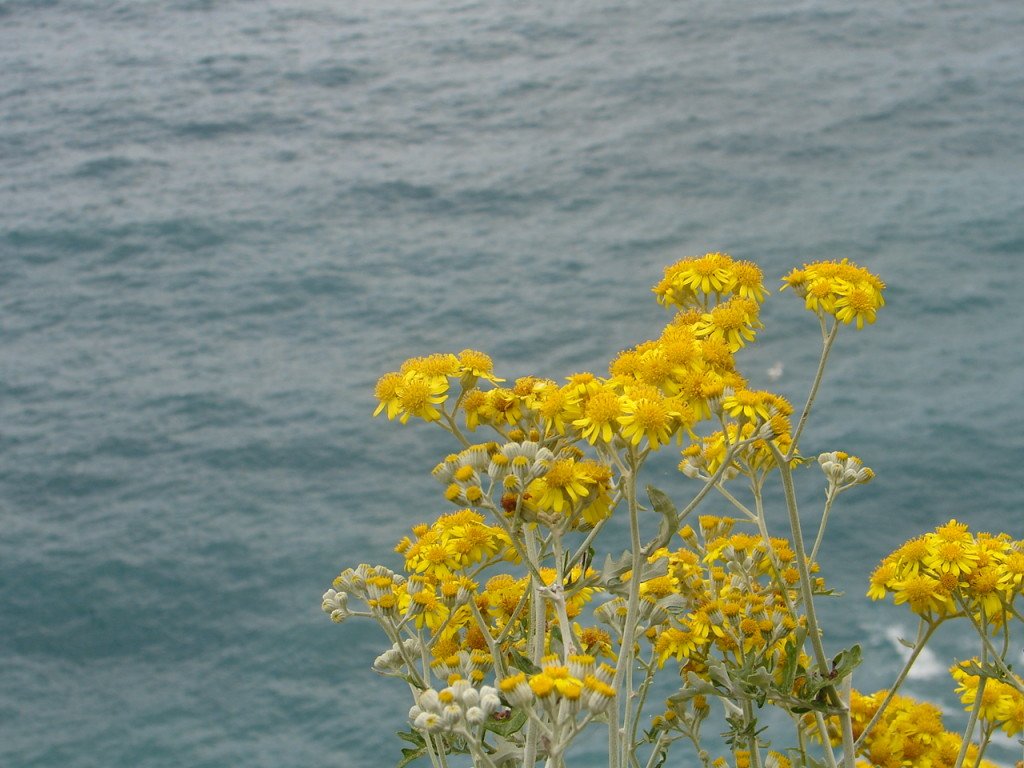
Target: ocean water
221 220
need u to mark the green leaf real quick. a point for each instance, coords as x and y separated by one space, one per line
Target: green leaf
512 724
845 662
613 568
522 663
663 505
411 753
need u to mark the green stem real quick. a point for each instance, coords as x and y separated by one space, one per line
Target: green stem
538 621
808 598
829 498
624 665
748 715
924 632
826 347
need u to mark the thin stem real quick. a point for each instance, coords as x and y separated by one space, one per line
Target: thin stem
748 715
1010 678
536 646
830 757
971 724
736 503
829 498
624 665
786 474
826 347
801 559
492 646
641 700
556 593
657 748
924 632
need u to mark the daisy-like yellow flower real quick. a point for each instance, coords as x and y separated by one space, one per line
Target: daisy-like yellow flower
749 405
708 274
599 501
555 406
839 288
386 392
503 407
599 421
672 641
748 281
560 488
734 322
647 415
855 303
956 557
473 365
419 396
922 594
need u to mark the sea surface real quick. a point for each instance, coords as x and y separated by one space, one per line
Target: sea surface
222 220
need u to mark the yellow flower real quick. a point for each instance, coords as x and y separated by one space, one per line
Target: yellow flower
708 274
748 281
561 487
600 415
922 593
433 367
674 642
950 556
647 416
748 405
387 392
502 407
474 364
733 321
842 289
418 395
854 303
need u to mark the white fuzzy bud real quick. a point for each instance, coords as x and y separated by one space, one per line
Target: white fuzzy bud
451 714
490 702
429 702
387 662
336 605
475 716
429 721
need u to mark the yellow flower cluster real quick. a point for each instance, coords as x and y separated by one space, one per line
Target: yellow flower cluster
422 383
1002 703
691 281
951 572
760 417
730 597
452 544
909 733
579 683
838 288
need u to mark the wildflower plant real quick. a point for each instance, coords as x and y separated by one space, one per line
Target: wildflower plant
517 624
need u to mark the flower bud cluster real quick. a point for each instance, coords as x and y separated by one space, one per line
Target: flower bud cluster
374 584
843 470
457 708
392 661
335 604
514 465
580 684
471 665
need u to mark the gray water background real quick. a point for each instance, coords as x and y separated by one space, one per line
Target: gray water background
220 221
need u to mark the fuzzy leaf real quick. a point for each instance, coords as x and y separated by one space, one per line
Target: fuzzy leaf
507 727
411 753
663 505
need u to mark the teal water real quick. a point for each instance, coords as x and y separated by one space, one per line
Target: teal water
220 221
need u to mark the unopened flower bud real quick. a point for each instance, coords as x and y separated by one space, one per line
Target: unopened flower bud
429 721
